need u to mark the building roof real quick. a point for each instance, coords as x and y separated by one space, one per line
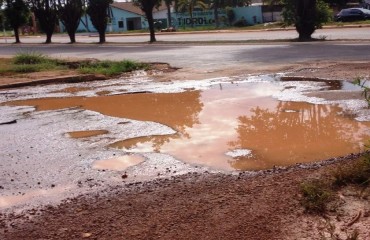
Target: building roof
131 7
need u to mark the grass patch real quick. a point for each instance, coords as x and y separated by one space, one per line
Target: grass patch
30 58
36 62
315 196
111 68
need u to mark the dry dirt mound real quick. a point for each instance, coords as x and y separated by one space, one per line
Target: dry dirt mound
194 206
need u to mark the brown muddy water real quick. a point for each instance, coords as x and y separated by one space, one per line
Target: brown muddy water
230 126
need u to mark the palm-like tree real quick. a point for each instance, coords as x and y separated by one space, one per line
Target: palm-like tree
189 5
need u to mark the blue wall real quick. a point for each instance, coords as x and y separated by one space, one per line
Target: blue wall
117 16
253 14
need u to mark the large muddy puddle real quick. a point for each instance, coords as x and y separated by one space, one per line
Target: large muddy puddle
227 126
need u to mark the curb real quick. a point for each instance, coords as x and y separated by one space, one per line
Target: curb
63 79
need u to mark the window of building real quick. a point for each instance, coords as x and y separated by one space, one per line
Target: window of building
120 24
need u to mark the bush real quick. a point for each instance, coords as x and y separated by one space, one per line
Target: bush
357 173
316 196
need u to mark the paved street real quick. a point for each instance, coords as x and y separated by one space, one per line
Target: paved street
205 57
358 33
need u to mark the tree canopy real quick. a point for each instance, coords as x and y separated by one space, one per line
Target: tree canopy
69 13
98 12
147 7
17 13
306 16
46 14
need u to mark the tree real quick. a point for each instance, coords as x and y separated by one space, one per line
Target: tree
69 13
189 5
46 14
168 5
306 15
147 7
17 14
98 12
217 4
338 3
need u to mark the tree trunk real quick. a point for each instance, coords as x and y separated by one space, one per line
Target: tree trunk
72 36
48 38
215 9
306 12
149 16
169 24
16 35
191 19
102 37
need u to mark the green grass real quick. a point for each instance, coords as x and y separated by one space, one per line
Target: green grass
112 68
27 62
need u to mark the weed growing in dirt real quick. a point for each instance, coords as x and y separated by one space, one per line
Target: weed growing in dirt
30 58
357 173
110 68
316 195
366 90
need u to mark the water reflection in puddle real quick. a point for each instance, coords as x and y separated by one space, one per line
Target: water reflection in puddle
226 118
85 134
119 163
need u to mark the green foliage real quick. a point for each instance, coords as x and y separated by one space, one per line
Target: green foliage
110 68
28 68
147 7
316 195
46 14
357 173
16 13
366 90
69 13
34 62
306 15
324 13
98 12
30 58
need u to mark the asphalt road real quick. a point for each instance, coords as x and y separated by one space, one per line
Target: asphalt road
354 33
207 56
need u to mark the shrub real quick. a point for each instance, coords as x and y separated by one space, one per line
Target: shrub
315 196
357 173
